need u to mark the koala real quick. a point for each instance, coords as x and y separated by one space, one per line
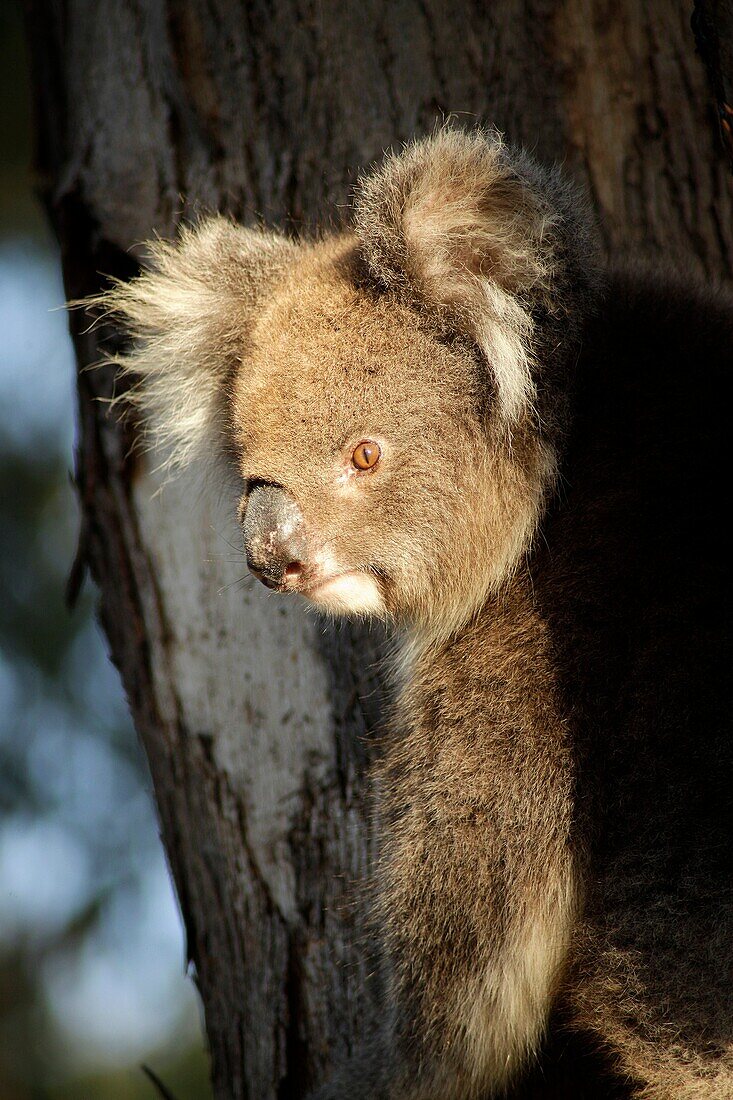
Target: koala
454 417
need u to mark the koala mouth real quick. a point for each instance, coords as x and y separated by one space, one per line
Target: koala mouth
323 582
317 582
350 592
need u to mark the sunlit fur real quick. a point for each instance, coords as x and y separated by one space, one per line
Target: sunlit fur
518 531
480 905
452 222
433 306
349 594
186 312
366 366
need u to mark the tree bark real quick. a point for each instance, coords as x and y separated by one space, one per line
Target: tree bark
257 721
712 23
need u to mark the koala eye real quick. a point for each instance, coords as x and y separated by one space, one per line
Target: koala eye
366 455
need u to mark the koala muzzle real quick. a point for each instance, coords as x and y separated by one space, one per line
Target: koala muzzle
273 537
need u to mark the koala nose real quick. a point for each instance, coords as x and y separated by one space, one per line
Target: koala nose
273 537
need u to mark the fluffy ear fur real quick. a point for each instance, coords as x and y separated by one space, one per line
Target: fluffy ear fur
455 222
188 315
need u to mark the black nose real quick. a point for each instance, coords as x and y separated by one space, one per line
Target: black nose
273 536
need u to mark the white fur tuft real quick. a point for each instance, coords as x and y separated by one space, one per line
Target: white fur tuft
188 316
501 1021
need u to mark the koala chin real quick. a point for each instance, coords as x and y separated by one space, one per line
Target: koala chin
453 416
349 593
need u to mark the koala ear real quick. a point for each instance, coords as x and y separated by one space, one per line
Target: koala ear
454 223
188 315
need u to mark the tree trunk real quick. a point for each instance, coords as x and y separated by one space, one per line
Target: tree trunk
256 720
712 24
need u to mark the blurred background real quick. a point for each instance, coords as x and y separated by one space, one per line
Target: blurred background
92 981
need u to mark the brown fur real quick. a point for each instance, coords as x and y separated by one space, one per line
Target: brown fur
554 865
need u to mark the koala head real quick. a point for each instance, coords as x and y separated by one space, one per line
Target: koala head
395 394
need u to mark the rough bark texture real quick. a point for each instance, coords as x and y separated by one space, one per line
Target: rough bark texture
256 722
712 23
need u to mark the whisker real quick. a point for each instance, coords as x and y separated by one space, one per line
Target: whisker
237 549
222 561
241 581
